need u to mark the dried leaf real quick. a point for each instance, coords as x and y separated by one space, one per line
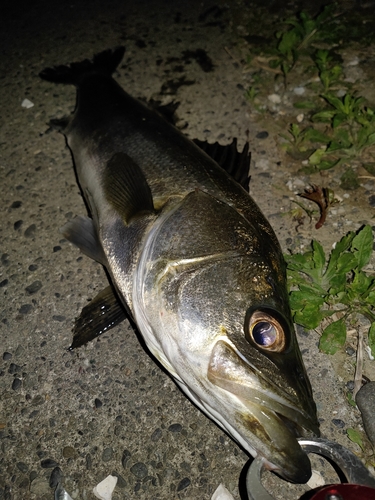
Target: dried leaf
320 196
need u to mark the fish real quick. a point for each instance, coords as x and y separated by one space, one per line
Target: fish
192 261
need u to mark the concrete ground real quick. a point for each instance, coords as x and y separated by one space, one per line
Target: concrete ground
107 408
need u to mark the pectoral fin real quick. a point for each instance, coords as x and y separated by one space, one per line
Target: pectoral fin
126 187
82 233
103 313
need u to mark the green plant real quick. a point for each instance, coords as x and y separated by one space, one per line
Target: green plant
352 130
300 140
303 29
334 289
251 94
329 71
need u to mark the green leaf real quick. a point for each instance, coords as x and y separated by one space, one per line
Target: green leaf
371 338
323 116
305 105
319 258
355 437
362 246
361 283
333 337
317 156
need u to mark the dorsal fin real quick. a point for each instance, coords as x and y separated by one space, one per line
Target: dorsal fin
236 164
126 187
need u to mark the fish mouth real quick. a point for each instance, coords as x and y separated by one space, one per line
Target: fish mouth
267 419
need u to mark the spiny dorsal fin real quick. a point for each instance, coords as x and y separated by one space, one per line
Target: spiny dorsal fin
82 233
103 313
236 164
126 187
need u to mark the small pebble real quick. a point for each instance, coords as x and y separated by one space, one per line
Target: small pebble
13 368
55 478
107 454
262 135
338 423
98 403
68 452
22 467
139 470
33 267
58 317
121 483
17 224
184 483
40 487
371 200
48 463
34 287
156 435
16 204
25 309
350 351
88 461
6 356
299 90
175 428
30 231
274 98
17 383
26 103
125 457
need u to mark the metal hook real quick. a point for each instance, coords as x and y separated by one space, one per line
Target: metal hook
350 465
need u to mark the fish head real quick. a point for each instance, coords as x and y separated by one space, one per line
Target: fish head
215 304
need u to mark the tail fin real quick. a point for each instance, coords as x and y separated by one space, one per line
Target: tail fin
103 63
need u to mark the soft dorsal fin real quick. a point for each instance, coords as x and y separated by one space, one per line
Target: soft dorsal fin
126 187
103 313
82 233
236 164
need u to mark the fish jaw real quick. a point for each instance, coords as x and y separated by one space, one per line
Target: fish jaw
271 417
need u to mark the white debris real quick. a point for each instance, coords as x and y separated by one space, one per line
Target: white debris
27 104
368 350
316 480
341 93
262 163
221 493
300 117
299 90
105 488
274 98
353 62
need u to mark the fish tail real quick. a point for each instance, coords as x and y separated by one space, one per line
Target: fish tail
103 63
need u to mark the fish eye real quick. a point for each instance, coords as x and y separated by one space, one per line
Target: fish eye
266 332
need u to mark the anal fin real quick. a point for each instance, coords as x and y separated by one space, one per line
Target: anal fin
103 313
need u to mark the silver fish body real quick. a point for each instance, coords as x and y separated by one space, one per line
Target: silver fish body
194 262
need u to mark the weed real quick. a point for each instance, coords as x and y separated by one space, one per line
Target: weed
334 287
329 71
